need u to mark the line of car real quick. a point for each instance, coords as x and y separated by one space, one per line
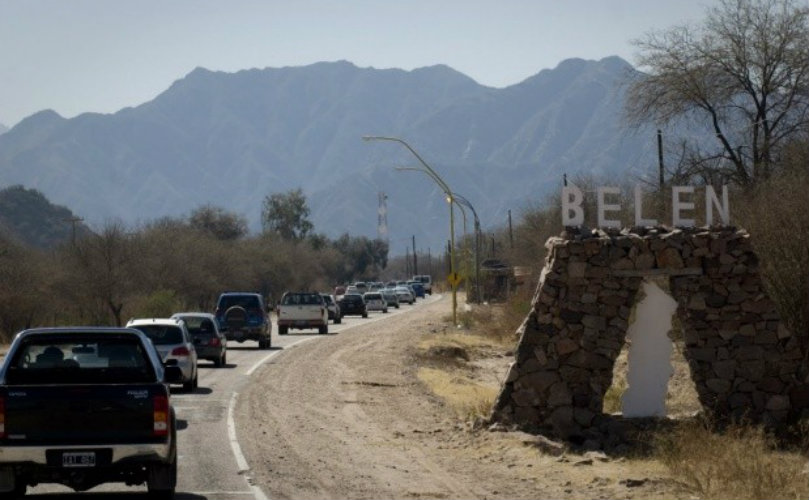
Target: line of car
110 388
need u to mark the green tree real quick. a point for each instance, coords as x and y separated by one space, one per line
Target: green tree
743 72
218 222
286 214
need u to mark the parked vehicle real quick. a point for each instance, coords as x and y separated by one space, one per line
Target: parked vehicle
333 308
353 304
209 342
426 281
390 297
405 294
84 406
243 316
302 310
174 344
375 302
361 286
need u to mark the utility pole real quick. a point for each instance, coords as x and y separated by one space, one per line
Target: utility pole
415 259
660 156
73 220
661 202
510 231
407 261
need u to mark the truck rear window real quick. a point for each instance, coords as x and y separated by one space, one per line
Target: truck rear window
162 334
302 299
79 360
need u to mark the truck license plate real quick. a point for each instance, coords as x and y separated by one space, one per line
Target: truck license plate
79 459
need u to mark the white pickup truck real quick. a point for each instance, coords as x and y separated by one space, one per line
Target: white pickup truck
302 310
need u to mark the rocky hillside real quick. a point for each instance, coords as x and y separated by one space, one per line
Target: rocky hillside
27 217
231 139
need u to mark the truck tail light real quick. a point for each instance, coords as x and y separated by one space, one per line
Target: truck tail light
2 417
180 351
161 415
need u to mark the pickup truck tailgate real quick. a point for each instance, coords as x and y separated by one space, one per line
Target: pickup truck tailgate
80 414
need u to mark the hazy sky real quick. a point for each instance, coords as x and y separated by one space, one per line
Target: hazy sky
74 56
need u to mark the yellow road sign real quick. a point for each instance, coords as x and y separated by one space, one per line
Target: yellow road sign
454 279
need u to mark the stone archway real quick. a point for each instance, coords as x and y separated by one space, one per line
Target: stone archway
743 362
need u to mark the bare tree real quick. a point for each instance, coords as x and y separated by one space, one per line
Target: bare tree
744 72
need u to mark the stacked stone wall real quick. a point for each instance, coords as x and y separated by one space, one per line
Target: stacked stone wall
744 363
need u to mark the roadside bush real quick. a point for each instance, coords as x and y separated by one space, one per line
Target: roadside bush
738 462
159 304
777 216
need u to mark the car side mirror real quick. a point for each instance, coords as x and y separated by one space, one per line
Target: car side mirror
172 374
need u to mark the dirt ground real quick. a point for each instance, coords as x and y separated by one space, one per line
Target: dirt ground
347 417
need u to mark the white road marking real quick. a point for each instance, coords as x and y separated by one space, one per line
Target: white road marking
273 354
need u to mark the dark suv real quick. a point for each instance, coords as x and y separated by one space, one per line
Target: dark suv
353 304
243 316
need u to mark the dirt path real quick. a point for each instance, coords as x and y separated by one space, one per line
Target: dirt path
346 417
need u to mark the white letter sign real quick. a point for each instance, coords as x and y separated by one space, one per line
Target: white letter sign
572 212
711 200
639 220
677 206
603 207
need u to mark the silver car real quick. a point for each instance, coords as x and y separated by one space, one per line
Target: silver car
375 302
405 294
174 344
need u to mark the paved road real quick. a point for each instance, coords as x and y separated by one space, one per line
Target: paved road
210 463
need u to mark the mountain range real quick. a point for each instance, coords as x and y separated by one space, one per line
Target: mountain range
231 139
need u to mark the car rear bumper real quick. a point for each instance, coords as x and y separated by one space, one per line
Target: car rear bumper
38 455
301 323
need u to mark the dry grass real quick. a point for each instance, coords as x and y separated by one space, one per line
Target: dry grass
741 463
468 398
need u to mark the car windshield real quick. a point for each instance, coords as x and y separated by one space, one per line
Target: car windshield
80 359
373 296
352 298
162 334
245 301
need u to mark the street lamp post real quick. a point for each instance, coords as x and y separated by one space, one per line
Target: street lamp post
462 200
450 199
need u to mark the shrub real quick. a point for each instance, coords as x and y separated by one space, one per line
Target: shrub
739 462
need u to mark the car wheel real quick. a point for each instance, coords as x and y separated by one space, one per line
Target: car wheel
235 318
338 320
17 492
188 386
323 329
365 315
225 359
264 343
397 306
162 480
282 330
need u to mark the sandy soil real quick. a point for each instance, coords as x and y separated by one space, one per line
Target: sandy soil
346 417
